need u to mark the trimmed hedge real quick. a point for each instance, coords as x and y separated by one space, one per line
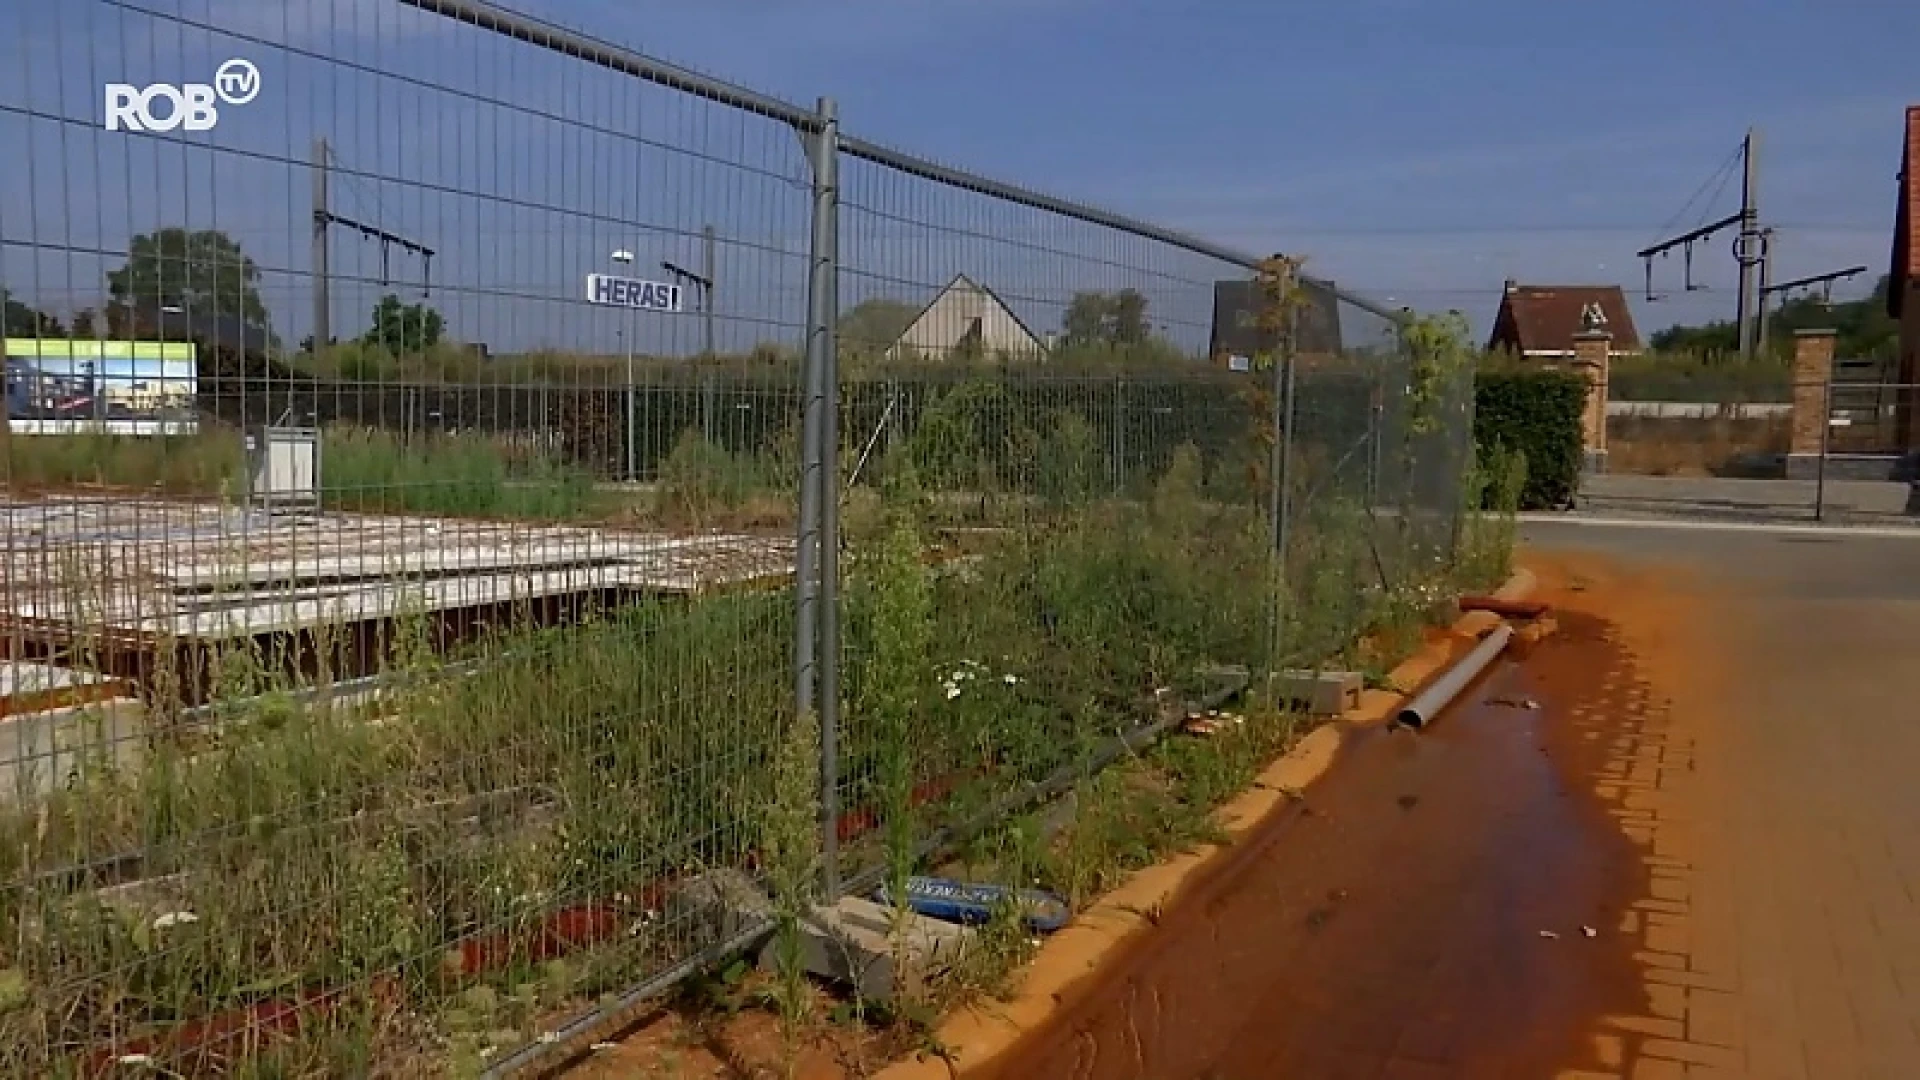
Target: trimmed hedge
1537 413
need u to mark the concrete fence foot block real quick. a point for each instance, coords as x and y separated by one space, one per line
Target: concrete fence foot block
852 943
1322 693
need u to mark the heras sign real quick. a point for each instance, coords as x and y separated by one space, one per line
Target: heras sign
632 293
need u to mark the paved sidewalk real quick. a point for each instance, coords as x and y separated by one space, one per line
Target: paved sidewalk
1711 498
1770 773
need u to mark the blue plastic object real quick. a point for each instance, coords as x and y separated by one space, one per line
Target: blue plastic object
971 903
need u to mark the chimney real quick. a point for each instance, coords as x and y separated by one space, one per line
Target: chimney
1512 287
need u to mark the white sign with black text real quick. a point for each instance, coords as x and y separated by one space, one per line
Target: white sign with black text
633 293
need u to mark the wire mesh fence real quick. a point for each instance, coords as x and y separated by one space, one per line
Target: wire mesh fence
441 497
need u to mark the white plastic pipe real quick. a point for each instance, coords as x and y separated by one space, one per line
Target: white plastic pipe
1434 700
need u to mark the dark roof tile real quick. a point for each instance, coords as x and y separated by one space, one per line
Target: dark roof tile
1546 318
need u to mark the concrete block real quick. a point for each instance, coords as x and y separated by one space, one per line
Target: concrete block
852 943
718 905
47 747
1323 693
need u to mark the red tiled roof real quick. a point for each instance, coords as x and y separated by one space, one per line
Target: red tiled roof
1546 318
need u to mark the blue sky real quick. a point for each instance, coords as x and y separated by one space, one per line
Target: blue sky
1416 152
1424 150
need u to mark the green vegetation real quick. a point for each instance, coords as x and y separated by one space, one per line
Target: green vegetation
23 320
188 465
1535 414
456 475
202 273
404 328
1491 498
1033 567
1701 377
363 469
1095 318
1865 329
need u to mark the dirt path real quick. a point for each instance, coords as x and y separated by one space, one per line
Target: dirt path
1424 911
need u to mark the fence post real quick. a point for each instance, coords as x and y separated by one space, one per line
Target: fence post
1826 448
1282 488
816 627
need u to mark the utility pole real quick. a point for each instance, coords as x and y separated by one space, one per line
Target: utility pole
1766 284
703 281
706 295
323 219
322 302
1748 238
1749 244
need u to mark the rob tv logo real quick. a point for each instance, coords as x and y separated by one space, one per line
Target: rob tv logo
195 106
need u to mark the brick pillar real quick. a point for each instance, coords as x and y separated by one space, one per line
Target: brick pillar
1592 355
1812 372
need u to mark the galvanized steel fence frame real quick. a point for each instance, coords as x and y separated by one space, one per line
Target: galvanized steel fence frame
1399 472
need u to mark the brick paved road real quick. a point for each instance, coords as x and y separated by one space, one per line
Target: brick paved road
1775 791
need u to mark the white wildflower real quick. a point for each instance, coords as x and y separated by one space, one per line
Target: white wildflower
952 691
174 918
1010 680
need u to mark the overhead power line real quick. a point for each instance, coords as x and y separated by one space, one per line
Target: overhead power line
1750 247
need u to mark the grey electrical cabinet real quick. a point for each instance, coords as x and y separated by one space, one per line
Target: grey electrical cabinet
283 467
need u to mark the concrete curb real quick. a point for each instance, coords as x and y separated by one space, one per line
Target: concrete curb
978 1034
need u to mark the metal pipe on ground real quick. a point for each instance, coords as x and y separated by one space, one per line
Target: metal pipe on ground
1506 609
1432 701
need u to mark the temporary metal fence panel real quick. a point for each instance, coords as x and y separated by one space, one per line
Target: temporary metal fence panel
674 445
1029 396
313 788
1866 407
1868 469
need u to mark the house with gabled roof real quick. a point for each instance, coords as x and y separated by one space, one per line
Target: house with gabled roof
1542 321
1237 335
966 319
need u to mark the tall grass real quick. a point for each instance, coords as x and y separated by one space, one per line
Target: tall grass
460 474
413 853
201 464
355 849
1695 377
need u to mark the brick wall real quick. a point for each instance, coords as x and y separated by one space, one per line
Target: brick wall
1913 192
1909 421
1812 369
